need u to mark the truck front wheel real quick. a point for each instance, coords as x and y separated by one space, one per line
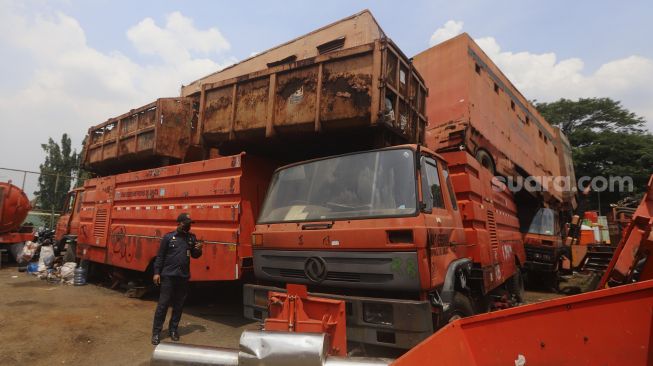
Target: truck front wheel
461 307
515 286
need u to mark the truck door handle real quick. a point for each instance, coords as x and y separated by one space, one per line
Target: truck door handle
317 226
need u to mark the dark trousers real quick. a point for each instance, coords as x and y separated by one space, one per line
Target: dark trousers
173 293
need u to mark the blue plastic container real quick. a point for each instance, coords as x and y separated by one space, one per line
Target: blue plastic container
32 267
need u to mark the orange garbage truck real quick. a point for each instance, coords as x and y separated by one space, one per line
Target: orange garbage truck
118 220
408 238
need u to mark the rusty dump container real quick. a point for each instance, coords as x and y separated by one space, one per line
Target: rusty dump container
155 134
473 105
340 87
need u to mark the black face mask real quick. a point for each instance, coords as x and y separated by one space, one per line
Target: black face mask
184 227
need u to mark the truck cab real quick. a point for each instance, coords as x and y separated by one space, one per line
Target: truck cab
545 250
385 231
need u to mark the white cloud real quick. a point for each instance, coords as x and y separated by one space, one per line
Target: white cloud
179 37
70 85
450 29
546 78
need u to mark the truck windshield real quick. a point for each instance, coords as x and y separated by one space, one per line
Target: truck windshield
545 222
370 184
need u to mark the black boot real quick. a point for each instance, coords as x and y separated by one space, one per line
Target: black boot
174 335
156 339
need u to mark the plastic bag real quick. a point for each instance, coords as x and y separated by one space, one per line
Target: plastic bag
67 272
27 252
46 258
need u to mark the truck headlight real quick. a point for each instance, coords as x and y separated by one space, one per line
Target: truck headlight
376 313
261 298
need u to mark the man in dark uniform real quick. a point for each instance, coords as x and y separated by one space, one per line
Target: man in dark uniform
171 272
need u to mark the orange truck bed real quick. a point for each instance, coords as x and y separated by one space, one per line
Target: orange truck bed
123 217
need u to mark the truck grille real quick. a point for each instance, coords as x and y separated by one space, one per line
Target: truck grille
100 226
381 270
332 275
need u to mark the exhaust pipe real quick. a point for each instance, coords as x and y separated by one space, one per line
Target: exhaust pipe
168 354
261 349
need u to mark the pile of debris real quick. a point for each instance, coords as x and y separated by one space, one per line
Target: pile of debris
39 258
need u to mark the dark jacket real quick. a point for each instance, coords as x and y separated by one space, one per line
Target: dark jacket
175 250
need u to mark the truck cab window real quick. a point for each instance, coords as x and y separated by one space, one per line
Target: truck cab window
431 188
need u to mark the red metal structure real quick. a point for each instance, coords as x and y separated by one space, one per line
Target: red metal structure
631 261
563 331
295 311
123 217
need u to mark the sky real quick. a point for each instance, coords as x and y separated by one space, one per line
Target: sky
67 65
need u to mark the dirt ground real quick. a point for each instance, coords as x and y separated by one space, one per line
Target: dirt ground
52 324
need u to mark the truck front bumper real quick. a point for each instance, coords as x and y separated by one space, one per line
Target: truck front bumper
542 258
405 323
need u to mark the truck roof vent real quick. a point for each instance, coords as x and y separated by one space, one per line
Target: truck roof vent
334 45
287 60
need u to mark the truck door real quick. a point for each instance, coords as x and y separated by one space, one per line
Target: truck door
439 219
63 224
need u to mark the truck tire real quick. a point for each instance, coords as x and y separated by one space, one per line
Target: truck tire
486 161
461 307
515 286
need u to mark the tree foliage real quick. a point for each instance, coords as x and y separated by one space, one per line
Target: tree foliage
62 161
606 140
603 114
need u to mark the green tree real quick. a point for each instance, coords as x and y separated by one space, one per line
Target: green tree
600 114
62 161
606 140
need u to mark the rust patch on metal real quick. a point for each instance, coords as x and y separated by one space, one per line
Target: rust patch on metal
346 85
289 87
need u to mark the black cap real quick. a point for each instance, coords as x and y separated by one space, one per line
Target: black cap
184 218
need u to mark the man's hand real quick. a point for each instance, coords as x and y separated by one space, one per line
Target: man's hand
198 245
157 279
